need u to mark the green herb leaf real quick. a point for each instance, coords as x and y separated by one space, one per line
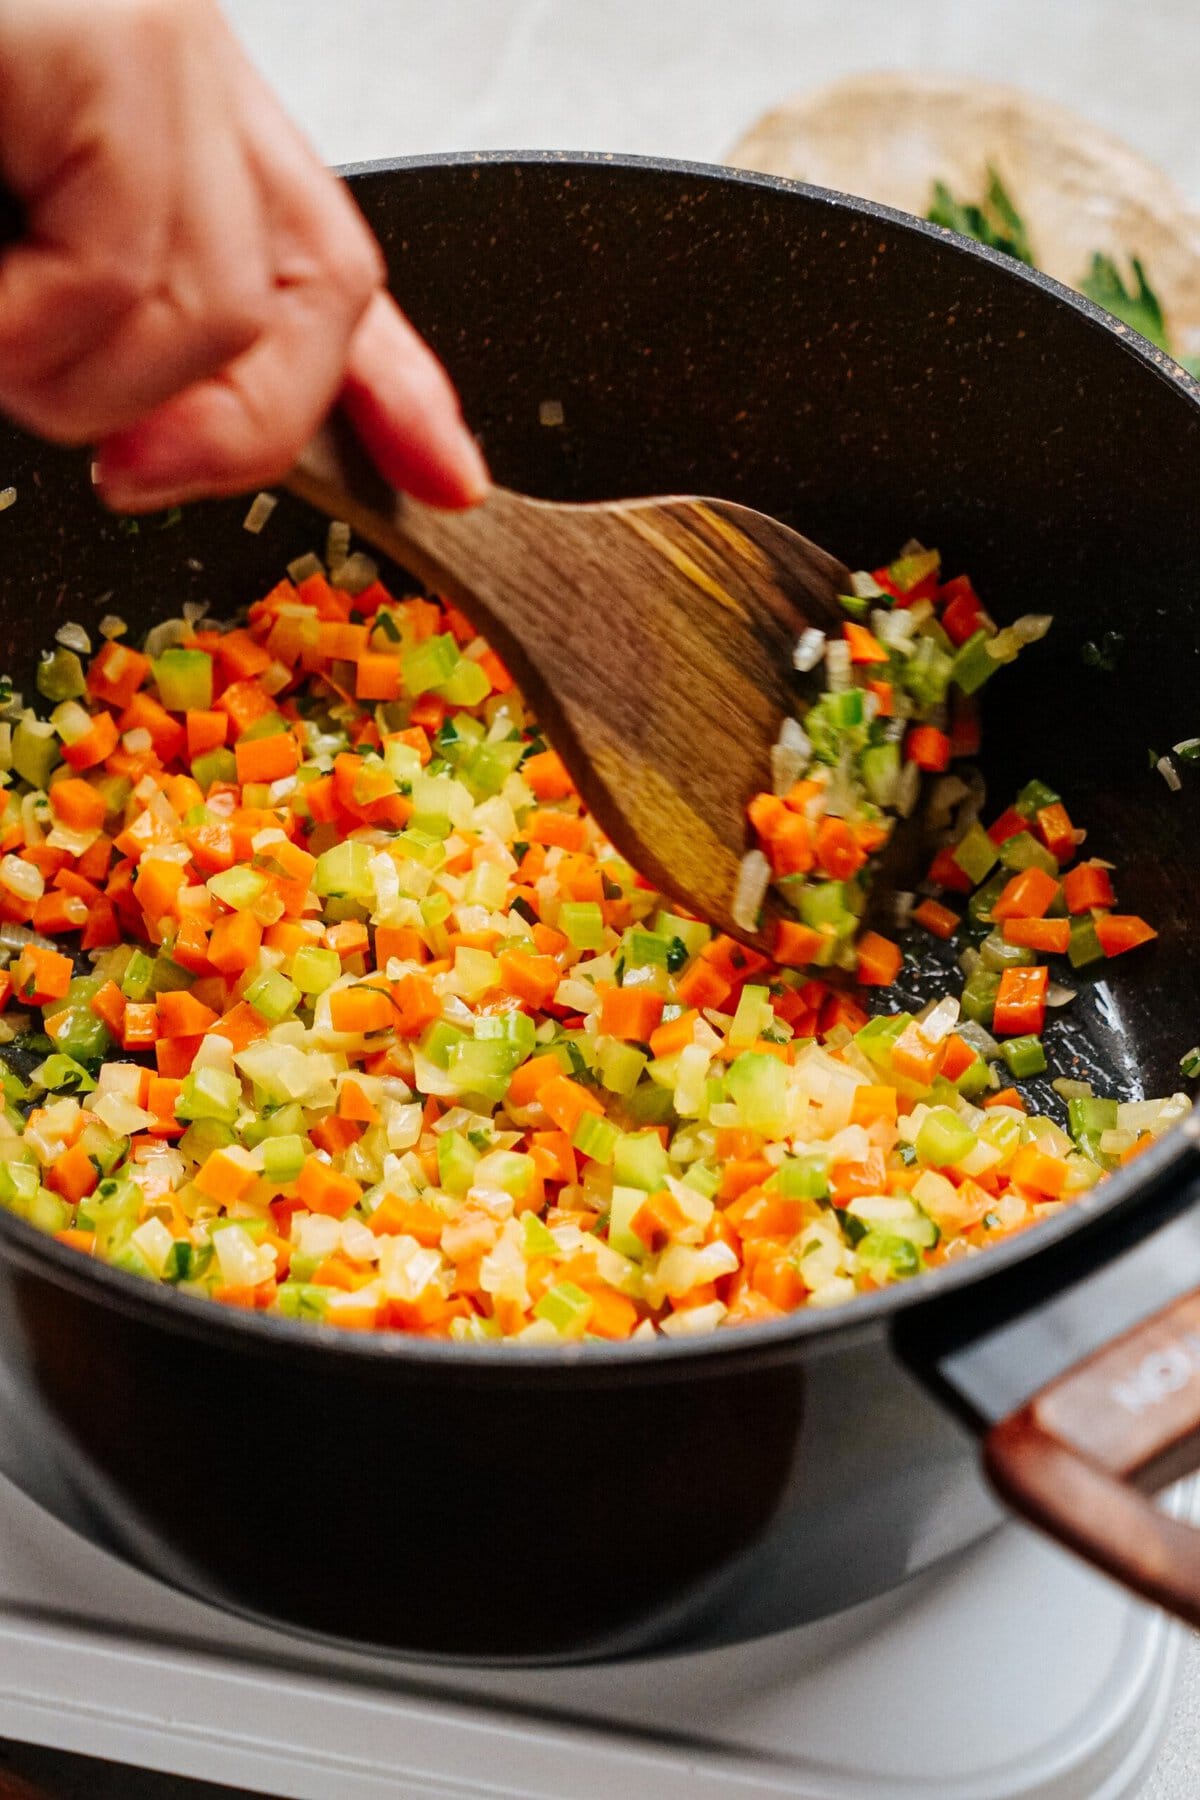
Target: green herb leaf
1137 307
996 222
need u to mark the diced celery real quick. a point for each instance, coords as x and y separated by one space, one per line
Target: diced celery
303 1300
1033 797
974 1079
466 685
979 906
650 1104
238 887
976 854
803 1177
752 1017
214 766
60 676
623 1208
78 1034
269 724
34 751
457 1158
439 1042
344 870
61 1074
511 1171
620 1065
139 973
1023 851
1088 1118
184 679
204 1136
926 672
18 1185
483 1068
876 1038
169 977
487 885
315 969
429 664
880 766
209 1093
997 954
690 932
1085 947
596 1137
272 996
566 1307
889 1258
288 1120
758 1086
582 922
511 1027
704 1179
943 1138
978 999
972 664
1024 1056
486 769
640 1161
539 1239
897 1216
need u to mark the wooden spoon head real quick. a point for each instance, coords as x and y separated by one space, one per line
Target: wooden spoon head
653 638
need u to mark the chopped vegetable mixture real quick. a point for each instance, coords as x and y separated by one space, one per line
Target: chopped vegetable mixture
379 1031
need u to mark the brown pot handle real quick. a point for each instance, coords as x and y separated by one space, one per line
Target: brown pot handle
1080 1458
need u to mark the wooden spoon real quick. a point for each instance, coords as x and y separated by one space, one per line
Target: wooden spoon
653 638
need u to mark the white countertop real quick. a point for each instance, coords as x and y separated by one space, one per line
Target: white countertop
683 78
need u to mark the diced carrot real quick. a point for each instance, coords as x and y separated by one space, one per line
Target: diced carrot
416 1004
864 645
879 960
1037 1169
180 1014
790 845
873 1102
795 946
928 747
94 745
224 1177
1010 824
243 702
1118 932
267 758
1087 886
174 1057
935 917
527 1081
75 1239
73 1175
241 1025
1009 1096
884 704
916 1056
140 1027
41 975
102 927
234 941
546 777
564 1101
116 673
377 676
630 1013
361 1009
77 804
958 1058
567 830
554 1155
157 886
239 655
400 941
1056 831
1021 1001
532 979
1051 936
57 912
838 852
947 874
205 731
348 937
1029 894
322 1190
702 986
676 1035
145 713
335 1135
394 1217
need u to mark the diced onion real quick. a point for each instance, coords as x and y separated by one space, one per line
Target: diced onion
810 648
8 497
1169 773
1058 995
754 877
73 637
261 508
301 567
112 626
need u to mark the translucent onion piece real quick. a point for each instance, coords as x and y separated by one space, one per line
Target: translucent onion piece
261 508
754 877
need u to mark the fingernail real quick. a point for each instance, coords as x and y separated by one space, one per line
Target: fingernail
473 469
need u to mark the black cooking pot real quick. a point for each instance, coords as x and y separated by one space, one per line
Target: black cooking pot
867 378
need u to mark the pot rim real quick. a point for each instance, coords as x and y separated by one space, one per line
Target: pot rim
1118 1195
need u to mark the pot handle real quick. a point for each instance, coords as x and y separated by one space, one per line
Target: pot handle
1076 1458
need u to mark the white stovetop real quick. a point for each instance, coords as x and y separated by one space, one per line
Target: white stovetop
683 78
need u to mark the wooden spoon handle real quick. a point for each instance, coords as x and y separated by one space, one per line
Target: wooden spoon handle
1078 1459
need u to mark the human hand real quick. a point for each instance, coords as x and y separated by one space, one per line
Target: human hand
194 289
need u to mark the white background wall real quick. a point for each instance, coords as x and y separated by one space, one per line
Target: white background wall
683 77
